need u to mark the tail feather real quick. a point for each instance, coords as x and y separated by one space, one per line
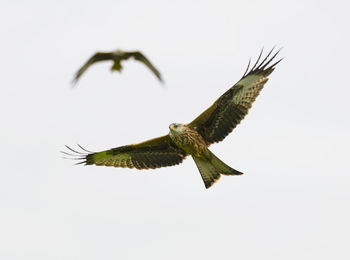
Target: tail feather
207 170
222 167
210 168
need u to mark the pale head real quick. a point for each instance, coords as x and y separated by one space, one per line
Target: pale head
118 52
174 127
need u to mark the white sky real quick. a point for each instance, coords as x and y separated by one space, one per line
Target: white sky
291 203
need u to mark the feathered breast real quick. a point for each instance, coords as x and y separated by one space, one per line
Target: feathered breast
189 140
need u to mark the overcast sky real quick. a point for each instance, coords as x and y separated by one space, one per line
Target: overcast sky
292 201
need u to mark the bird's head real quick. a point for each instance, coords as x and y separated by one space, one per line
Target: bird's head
118 52
175 127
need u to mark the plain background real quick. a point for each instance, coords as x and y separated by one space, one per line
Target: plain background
291 203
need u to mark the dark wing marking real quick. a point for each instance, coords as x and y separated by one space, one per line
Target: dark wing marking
154 153
99 56
215 123
142 58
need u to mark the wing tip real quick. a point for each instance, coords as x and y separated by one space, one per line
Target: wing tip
263 67
74 82
84 156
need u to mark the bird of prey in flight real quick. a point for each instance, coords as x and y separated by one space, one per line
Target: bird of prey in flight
117 57
212 126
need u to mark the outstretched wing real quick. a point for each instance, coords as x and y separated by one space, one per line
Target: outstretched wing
154 153
99 56
215 123
142 58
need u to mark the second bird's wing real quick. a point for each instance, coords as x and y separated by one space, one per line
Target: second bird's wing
98 56
142 58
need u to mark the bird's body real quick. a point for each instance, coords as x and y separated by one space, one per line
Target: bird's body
192 143
188 139
116 57
212 126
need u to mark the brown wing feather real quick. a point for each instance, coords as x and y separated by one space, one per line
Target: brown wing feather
142 58
154 153
215 123
99 56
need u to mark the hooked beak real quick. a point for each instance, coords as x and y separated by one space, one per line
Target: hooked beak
172 127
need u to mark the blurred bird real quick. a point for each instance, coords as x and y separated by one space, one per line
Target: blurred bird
117 57
212 126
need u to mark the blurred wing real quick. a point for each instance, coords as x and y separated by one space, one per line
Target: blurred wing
215 123
140 57
99 56
154 153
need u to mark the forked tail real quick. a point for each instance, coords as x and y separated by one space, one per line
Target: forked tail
210 168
